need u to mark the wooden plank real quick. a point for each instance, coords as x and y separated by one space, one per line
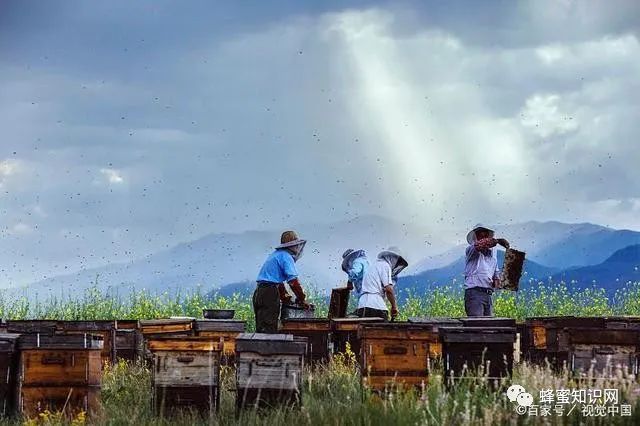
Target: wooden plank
488 322
57 341
235 326
85 326
478 335
309 324
351 324
186 368
256 371
43 367
401 331
187 344
628 337
32 326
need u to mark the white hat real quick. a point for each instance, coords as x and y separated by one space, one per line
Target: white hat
471 236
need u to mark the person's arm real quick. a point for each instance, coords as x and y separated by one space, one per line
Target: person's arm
297 290
391 296
485 244
285 297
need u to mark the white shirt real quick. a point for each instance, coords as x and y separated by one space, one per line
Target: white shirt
375 279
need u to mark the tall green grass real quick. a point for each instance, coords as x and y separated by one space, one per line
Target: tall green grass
447 301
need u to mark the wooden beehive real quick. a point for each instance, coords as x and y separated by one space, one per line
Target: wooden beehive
345 331
396 354
186 374
511 270
435 348
316 330
546 339
603 350
269 369
471 352
169 327
224 331
104 329
127 340
8 372
59 373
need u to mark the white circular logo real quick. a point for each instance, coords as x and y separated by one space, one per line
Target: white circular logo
514 391
524 399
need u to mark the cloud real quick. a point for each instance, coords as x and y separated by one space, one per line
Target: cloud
112 176
421 113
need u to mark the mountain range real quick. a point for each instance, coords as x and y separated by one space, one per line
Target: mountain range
229 262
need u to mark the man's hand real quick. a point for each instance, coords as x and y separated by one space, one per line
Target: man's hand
394 313
349 285
306 306
504 243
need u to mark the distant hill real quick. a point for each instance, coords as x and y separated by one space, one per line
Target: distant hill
455 271
218 259
621 267
587 248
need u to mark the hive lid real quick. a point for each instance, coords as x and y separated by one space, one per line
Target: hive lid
31 326
357 319
488 322
271 344
435 320
69 341
165 321
220 325
478 335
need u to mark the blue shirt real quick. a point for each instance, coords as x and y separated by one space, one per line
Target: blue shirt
278 268
481 267
356 272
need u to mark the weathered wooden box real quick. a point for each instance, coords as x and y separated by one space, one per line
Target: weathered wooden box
127 340
316 330
345 331
104 329
602 351
59 372
186 374
169 327
8 372
435 348
395 354
32 326
224 331
477 352
269 369
546 339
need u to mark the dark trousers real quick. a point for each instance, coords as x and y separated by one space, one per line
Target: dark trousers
266 306
372 313
478 302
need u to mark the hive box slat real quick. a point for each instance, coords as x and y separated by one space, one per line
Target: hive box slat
32 326
317 331
42 367
269 369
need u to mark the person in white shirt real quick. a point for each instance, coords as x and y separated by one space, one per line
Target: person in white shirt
378 282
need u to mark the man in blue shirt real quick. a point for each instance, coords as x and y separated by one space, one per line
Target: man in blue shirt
354 264
279 268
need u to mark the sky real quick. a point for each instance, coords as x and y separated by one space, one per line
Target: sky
128 127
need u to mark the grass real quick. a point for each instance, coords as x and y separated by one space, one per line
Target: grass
332 393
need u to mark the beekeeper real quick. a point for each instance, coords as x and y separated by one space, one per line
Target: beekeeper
377 284
354 264
481 271
278 269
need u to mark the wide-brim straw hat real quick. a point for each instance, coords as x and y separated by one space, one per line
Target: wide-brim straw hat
471 236
290 239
